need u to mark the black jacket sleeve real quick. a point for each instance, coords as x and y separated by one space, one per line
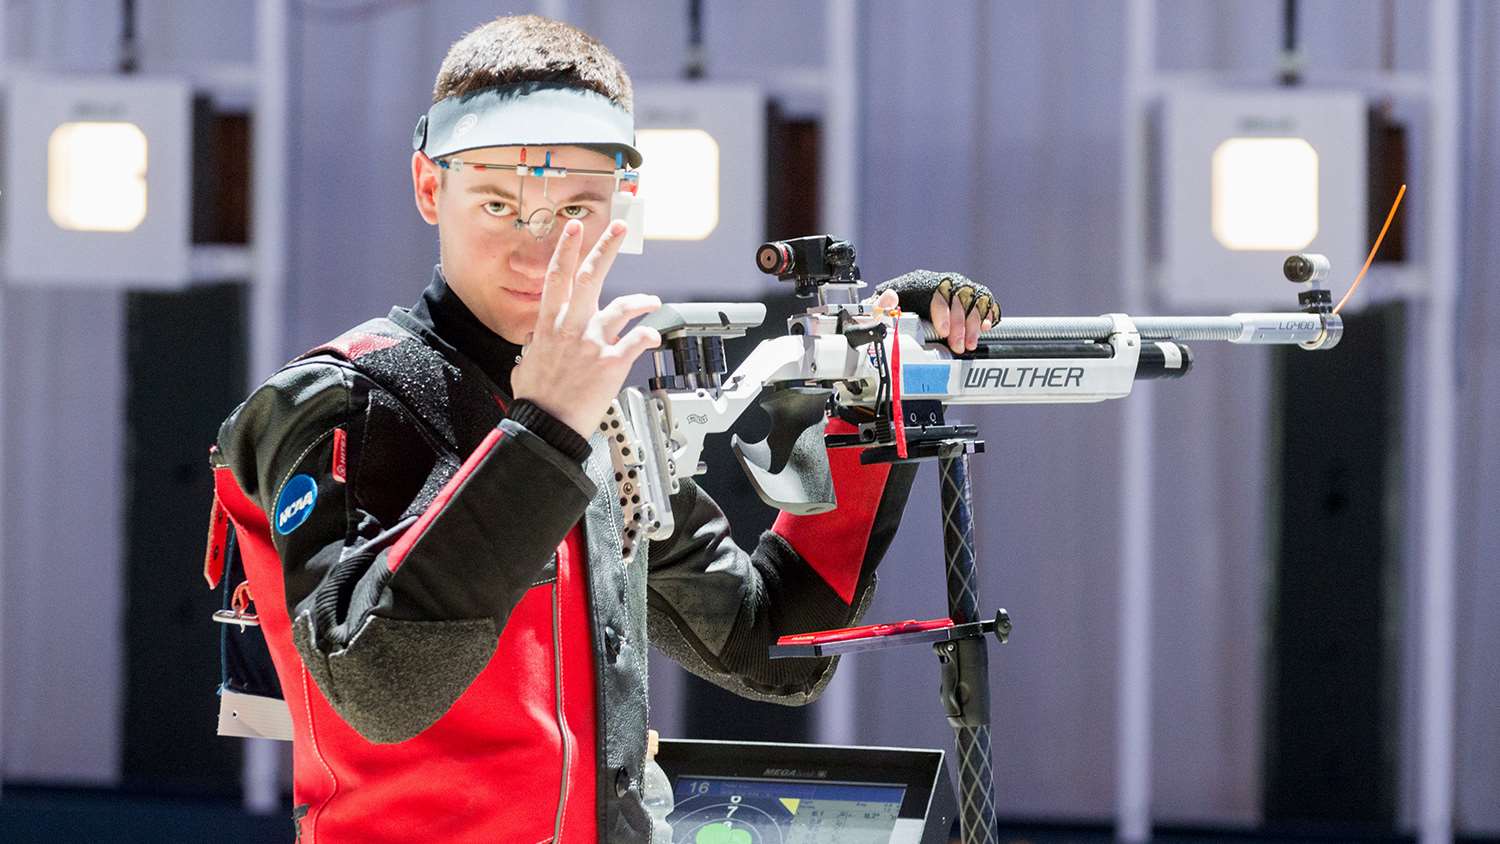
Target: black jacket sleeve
401 563
717 609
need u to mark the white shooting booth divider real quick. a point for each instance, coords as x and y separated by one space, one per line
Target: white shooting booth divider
137 233
1250 176
98 175
1202 110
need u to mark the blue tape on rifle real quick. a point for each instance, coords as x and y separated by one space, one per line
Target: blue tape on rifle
924 379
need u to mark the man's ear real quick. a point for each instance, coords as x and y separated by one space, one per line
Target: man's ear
425 179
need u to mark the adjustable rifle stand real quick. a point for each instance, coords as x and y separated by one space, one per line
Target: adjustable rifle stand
966 661
961 647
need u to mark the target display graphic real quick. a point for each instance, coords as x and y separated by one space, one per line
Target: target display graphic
714 810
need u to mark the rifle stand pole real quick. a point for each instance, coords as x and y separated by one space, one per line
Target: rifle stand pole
965 662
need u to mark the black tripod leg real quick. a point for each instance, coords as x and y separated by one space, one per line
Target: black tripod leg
966 665
976 800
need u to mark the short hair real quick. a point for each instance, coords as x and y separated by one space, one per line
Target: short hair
529 48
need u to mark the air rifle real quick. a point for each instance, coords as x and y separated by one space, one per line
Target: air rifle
888 375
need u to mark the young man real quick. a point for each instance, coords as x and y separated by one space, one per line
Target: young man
430 535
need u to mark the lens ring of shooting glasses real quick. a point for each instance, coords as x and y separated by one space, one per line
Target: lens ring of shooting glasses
539 222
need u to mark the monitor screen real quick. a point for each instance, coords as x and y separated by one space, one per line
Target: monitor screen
723 810
746 792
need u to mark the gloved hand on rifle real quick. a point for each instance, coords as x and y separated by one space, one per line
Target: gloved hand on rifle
958 307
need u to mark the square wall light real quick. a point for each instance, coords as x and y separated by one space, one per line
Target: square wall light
1265 194
1249 177
98 177
681 190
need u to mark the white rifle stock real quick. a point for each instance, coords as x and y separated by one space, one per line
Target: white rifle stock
829 364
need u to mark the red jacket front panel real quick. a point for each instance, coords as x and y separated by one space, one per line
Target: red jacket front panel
490 769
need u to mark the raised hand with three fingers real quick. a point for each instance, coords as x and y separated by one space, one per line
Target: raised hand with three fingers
577 361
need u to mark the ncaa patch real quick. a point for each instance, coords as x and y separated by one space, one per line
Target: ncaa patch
295 503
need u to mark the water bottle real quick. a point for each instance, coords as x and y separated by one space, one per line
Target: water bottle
656 790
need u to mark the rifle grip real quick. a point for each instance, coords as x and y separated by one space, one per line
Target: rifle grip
789 468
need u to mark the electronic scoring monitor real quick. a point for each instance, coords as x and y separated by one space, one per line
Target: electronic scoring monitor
766 793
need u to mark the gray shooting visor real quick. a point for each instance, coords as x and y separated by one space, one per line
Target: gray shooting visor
539 114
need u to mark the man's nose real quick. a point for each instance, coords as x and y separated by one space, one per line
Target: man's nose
531 256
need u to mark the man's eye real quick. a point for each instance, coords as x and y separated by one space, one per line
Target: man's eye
574 212
498 209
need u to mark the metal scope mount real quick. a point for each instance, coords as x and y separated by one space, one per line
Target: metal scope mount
809 262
